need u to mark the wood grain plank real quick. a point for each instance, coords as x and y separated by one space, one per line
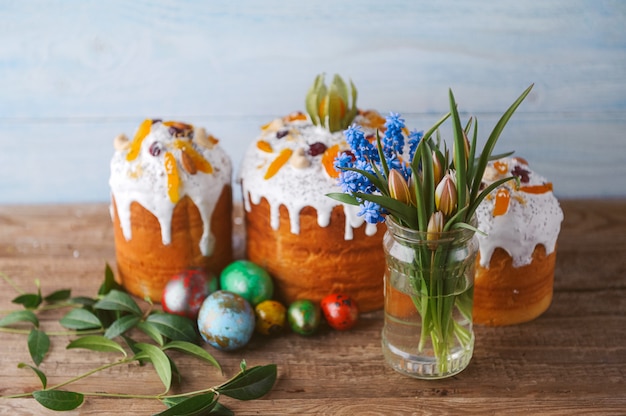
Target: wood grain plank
572 360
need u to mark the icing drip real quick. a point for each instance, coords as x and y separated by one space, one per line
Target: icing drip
144 180
528 220
296 185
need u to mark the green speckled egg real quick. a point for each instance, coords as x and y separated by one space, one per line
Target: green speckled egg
304 316
248 280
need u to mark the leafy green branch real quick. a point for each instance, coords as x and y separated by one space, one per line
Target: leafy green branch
111 315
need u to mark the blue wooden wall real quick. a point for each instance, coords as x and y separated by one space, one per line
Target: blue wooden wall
73 74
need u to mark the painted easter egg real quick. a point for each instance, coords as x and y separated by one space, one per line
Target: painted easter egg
248 280
226 320
184 293
340 311
304 316
270 317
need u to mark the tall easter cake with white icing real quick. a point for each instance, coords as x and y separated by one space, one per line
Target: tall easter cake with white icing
311 244
171 204
515 267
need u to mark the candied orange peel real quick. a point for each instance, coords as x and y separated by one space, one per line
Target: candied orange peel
501 167
537 189
173 177
501 205
142 132
264 146
199 161
328 161
278 163
294 117
372 119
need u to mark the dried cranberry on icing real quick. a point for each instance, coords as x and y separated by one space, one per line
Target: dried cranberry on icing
282 133
317 148
521 173
155 149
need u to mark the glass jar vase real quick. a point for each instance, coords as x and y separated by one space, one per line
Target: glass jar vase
429 290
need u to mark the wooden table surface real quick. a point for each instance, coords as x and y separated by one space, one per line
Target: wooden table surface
572 360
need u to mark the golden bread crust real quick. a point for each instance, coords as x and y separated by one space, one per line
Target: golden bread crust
318 261
145 265
507 295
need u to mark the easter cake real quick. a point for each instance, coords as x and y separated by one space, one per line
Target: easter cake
171 204
517 254
311 244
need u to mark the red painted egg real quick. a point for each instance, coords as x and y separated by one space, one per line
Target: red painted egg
340 311
185 292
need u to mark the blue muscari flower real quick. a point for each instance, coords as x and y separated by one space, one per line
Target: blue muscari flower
349 181
414 139
344 160
360 146
393 140
393 162
372 212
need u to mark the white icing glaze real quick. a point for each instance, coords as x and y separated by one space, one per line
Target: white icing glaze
144 180
296 186
531 218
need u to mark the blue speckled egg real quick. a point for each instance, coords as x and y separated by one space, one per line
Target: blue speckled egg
226 320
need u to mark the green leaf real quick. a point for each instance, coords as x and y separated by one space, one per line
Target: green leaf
345 198
422 219
428 181
378 181
460 162
83 300
38 345
19 316
402 211
117 300
472 154
500 155
152 331
381 156
40 374
132 344
58 399
196 405
171 401
193 349
159 360
96 343
176 374
28 300
221 410
59 295
174 327
109 282
121 325
250 384
80 319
